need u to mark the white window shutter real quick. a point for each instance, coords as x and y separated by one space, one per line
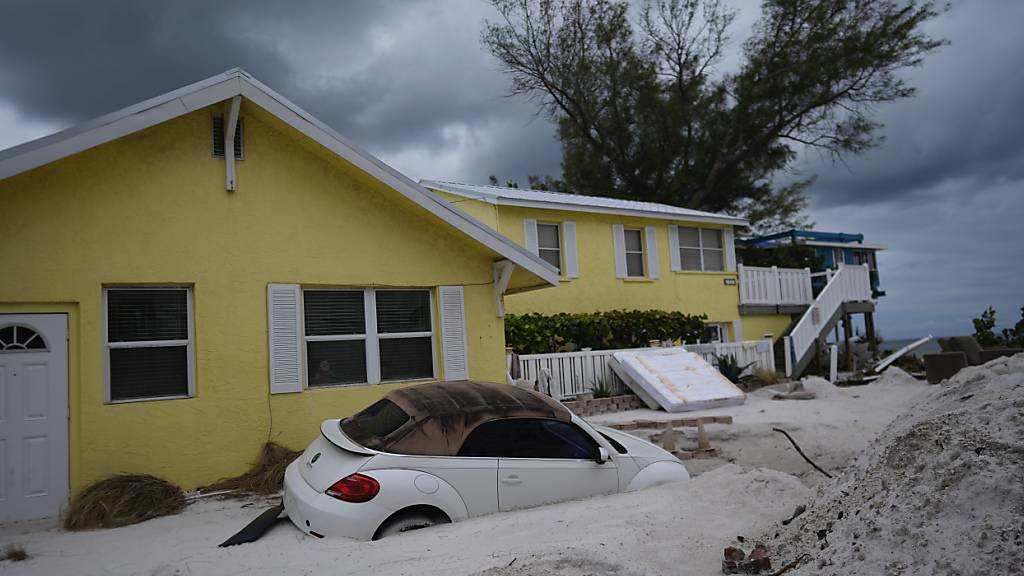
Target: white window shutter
453 333
730 250
653 266
530 234
572 261
283 323
619 241
673 248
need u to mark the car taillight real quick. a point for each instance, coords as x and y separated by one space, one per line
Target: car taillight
354 488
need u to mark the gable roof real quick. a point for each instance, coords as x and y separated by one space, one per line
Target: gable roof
579 203
237 82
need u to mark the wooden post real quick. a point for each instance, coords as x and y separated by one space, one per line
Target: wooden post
848 333
869 327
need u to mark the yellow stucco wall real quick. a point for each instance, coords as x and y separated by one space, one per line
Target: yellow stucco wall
597 288
151 208
755 327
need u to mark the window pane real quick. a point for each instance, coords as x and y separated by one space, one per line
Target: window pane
689 237
529 438
713 333
406 358
340 362
690 258
634 264
713 260
334 312
634 242
547 236
139 315
148 372
403 311
552 257
711 238
374 423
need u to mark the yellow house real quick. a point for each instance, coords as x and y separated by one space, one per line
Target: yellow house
192 276
622 254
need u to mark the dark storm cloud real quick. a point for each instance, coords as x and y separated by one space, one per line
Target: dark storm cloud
396 77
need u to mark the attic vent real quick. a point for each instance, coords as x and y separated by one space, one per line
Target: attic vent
218 138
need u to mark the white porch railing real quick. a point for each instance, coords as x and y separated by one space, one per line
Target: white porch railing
775 286
574 373
848 284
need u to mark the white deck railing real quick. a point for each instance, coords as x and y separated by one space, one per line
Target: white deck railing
775 286
848 284
573 373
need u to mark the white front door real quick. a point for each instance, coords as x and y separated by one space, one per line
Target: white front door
33 416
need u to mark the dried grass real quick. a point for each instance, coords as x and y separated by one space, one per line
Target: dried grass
266 475
766 377
14 553
122 500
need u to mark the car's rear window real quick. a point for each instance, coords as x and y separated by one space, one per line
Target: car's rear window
374 423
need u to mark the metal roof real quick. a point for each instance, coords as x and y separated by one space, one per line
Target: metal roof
578 202
237 82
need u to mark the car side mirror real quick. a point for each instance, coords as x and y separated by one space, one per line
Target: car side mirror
602 455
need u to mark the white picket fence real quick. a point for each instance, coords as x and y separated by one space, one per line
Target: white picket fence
775 286
574 373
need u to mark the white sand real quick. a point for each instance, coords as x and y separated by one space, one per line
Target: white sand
674 529
941 491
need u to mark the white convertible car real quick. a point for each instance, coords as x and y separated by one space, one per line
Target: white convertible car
442 452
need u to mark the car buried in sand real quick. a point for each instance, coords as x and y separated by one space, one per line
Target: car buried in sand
442 452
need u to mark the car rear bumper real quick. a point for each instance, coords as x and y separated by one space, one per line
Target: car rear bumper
320 515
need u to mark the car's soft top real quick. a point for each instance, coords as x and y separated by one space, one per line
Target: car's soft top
442 414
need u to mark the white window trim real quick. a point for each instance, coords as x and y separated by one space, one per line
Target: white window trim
371 337
700 249
626 252
189 346
561 244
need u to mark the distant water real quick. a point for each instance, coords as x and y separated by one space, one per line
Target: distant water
929 347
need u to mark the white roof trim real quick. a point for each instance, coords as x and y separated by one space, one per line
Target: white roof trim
545 200
238 82
853 245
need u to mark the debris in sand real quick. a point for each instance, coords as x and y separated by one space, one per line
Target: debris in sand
266 475
939 492
14 553
797 446
736 562
794 391
122 500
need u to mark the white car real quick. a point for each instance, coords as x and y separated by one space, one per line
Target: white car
442 452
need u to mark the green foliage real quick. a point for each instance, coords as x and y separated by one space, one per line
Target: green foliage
602 388
731 369
785 256
643 112
986 335
535 333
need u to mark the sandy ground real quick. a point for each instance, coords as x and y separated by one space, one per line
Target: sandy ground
673 529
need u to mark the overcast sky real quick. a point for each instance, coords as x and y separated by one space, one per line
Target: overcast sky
410 82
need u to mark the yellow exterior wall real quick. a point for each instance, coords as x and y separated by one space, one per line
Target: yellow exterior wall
755 327
151 208
597 288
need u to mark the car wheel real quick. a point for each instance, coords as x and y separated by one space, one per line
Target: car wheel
408 521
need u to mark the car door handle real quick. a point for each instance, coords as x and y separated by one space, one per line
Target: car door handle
513 479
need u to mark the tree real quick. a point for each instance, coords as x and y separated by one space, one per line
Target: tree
643 113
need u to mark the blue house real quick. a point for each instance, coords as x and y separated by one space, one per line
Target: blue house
833 248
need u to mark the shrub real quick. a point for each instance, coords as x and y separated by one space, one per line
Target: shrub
731 369
602 388
536 333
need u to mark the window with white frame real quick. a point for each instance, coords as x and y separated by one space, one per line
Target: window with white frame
549 245
701 249
634 250
149 342
714 333
367 336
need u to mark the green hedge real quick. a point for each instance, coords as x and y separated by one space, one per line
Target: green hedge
535 333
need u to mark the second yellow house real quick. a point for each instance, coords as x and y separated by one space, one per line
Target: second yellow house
621 254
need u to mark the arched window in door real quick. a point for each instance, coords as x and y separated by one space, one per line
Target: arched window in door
15 338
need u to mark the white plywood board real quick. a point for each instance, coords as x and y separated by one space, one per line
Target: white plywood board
678 380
